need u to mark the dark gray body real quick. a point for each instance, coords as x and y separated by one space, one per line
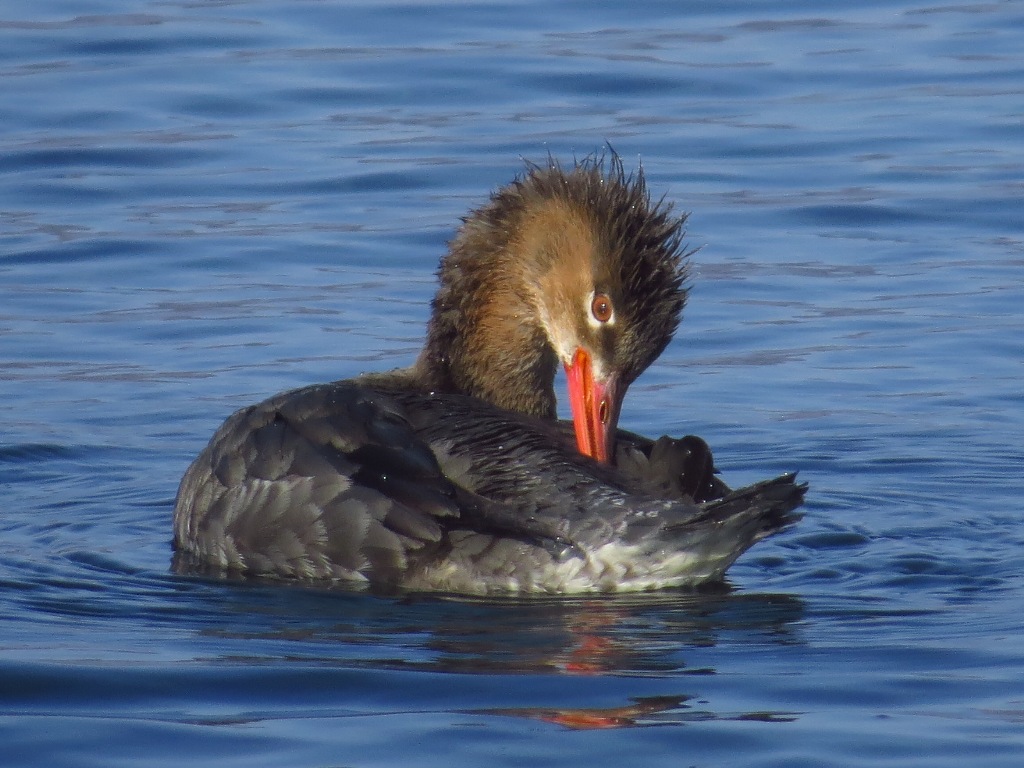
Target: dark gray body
371 480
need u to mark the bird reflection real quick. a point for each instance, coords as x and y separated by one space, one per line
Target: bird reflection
651 633
648 637
644 711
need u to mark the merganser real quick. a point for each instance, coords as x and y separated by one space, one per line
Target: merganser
454 474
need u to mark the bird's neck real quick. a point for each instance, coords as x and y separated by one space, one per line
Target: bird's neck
484 339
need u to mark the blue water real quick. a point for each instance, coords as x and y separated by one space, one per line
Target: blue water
202 204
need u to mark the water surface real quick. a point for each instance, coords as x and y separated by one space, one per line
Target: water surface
202 204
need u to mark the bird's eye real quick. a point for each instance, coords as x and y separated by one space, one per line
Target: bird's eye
601 307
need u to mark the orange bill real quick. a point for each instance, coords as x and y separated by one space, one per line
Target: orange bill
595 408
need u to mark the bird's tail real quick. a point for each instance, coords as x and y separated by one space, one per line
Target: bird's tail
727 527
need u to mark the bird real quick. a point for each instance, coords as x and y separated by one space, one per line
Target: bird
455 474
